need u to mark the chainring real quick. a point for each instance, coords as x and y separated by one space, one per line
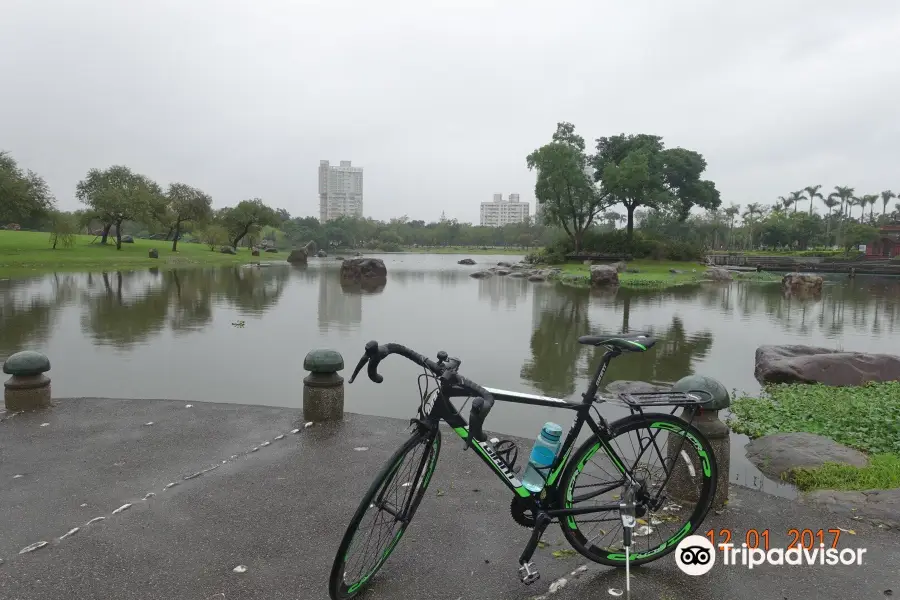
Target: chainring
521 514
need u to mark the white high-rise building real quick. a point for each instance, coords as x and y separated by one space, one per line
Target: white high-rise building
502 212
340 191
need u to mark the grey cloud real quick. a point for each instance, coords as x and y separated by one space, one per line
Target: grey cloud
441 101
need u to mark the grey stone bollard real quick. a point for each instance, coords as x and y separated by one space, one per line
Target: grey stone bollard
323 388
707 421
28 388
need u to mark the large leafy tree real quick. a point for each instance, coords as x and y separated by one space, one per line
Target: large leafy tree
118 194
24 195
247 217
564 188
185 203
637 170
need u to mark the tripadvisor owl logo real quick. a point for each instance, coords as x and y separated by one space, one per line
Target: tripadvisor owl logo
695 555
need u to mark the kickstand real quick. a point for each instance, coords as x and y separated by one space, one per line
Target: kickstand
626 511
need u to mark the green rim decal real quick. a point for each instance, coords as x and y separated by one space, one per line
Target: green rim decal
704 457
462 432
669 542
570 520
390 548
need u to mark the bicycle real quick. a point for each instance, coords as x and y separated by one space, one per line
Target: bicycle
641 507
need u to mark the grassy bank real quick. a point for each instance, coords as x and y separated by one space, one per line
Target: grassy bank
659 274
25 253
866 418
466 250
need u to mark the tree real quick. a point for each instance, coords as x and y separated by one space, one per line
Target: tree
831 201
24 195
857 234
785 202
564 188
637 170
845 194
812 192
118 194
886 196
796 198
62 229
248 214
730 213
214 235
869 199
186 203
753 209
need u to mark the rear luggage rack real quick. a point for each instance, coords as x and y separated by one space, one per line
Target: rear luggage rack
639 399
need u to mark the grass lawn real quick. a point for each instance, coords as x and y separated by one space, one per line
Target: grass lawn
866 418
24 253
658 274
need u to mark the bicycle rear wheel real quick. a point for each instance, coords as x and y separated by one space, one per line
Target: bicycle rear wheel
676 467
384 514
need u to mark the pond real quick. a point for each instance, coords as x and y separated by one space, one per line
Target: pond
240 334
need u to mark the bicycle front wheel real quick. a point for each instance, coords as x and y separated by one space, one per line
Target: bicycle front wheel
384 514
675 467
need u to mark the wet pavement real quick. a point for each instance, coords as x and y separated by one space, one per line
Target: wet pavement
277 505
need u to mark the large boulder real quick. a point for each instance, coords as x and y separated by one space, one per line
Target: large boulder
518 274
809 364
298 256
778 455
604 275
363 270
504 264
481 274
154 253
718 274
322 254
802 283
465 261
227 250
127 239
254 252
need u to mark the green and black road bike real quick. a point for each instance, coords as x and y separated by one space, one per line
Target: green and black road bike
594 491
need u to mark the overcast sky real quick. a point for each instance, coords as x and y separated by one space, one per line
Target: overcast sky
440 102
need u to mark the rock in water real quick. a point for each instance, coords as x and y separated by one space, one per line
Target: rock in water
802 283
779 454
718 274
154 253
481 274
504 264
465 261
809 364
363 270
297 257
604 275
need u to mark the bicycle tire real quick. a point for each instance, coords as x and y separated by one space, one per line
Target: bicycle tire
338 588
575 465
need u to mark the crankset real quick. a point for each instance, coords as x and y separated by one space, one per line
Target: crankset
521 514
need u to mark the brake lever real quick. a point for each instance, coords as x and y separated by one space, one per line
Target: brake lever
362 362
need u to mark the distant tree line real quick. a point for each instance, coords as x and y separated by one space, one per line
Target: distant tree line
656 187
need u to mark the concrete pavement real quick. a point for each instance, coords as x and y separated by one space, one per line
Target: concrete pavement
245 495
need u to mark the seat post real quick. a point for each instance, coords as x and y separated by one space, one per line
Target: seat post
598 375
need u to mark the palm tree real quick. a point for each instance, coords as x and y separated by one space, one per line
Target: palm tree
812 192
785 202
845 194
796 198
753 209
831 201
730 213
869 199
886 196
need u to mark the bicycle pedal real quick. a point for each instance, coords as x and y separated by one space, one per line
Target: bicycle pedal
528 573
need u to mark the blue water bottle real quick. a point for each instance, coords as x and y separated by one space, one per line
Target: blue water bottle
543 453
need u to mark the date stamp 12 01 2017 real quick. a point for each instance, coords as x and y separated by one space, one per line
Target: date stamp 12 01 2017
765 539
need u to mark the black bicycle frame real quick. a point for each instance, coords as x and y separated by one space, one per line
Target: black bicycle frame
546 499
